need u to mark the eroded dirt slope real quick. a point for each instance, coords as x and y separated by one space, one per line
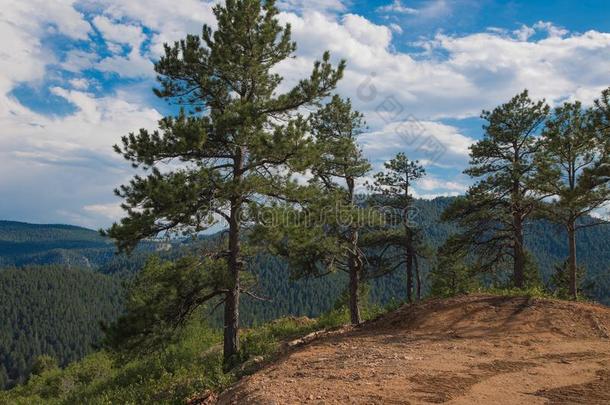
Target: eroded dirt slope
466 350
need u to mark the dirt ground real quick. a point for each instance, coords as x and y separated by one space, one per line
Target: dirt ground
467 350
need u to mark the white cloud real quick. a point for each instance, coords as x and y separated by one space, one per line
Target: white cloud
524 32
167 21
119 33
58 164
602 212
396 28
397 7
23 24
77 60
432 9
367 33
79 84
552 29
473 71
309 5
112 211
136 63
431 183
132 65
69 158
433 143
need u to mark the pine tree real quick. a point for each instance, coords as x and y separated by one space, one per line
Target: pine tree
451 276
44 363
493 213
322 235
228 145
336 128
568 163
394 185
4 379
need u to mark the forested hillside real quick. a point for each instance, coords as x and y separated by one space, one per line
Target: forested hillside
51 310
23 244
314 296
56 309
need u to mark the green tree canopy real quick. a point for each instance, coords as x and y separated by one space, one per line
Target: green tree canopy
322 234
493 212
402 245
569 163
233 144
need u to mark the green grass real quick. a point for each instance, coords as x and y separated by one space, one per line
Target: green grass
182 369
531 292
190 366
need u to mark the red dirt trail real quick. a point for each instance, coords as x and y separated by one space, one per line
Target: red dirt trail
476 349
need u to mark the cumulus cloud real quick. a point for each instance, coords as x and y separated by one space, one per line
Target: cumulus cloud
553 30
167 22
319 5
79 83
397 7
430 10
367 33
461 74
112 211
63 167
433 143
136 63
57 165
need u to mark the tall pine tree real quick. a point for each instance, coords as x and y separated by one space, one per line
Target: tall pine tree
394 185
336 128
322 234
493 213
232 145
568 162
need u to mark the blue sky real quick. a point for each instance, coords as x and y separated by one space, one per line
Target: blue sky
77 75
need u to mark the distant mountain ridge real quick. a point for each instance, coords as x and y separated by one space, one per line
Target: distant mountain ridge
28 246
23 244
22 231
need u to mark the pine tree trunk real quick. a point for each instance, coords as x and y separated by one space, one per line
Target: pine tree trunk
354 284
418 277
231 315
409 267
519 252
353 264
573 287
231 330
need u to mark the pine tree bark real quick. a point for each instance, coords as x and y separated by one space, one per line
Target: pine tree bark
409 258
418 277
518 248
354 284
573 287
519 253
353 264
231 315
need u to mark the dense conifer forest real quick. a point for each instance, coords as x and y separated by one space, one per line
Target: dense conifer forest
281 167
54 306
52 310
